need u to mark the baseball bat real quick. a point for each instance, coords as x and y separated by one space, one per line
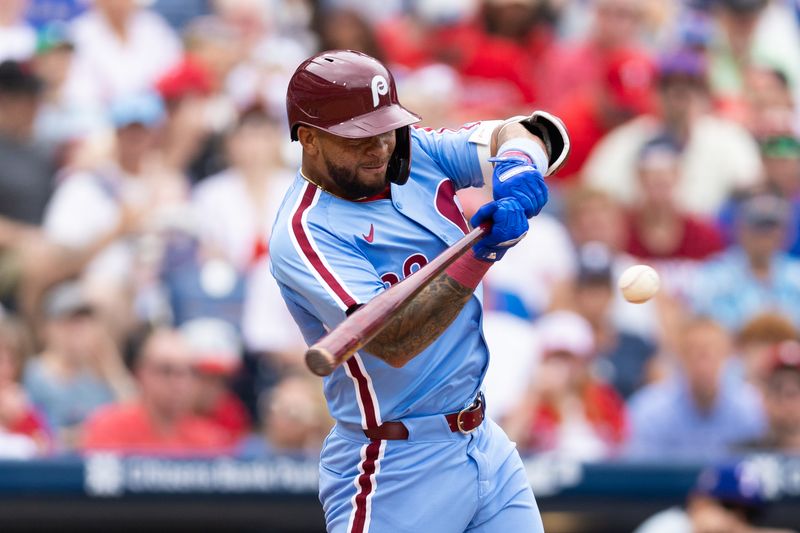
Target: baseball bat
369 320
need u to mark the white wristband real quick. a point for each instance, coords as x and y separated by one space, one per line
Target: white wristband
530 148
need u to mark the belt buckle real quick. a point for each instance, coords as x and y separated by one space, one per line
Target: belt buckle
477 404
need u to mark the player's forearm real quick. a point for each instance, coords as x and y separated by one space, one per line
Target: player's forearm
421 321
510 131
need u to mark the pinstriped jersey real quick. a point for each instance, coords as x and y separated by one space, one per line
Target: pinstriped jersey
329 255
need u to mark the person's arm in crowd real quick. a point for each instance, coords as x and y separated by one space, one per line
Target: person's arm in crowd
12 233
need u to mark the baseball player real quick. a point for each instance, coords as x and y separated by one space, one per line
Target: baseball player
373 202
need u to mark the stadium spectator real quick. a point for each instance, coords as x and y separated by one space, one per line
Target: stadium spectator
26 170
66 117
703 409
123 192
755 340
23 430
624 90
566 410
575 64
718 155
593 216
750 33
724 498
294 420
769 103
121 48
781 391
346 29
80 368
658 229
198 108
17 37
234 211
623 358
160 419
754 275
216 357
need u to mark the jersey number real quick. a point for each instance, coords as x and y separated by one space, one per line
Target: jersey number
410 265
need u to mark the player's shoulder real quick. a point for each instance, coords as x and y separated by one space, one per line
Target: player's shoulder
301 222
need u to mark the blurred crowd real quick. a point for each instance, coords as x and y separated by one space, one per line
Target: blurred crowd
144 153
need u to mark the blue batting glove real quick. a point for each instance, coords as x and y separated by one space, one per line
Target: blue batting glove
516 177
509 226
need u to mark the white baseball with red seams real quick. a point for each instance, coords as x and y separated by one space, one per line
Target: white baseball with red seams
639 283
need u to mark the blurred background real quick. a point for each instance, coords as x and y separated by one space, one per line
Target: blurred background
150 374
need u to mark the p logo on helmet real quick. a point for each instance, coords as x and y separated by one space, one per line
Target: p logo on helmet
380 87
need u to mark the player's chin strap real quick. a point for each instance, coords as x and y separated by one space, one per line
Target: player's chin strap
551 130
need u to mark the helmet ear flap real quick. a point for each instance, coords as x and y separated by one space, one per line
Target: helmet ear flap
399 166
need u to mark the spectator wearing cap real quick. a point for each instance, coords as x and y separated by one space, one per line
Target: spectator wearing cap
160 418
718 155
781 391
566 410
624 90
234 210
754 275
23 430
294 421
724 498
80 368
198 107
659 229
17 37
757 338
216 354
120 190
703 409
121 48
66 118
623 358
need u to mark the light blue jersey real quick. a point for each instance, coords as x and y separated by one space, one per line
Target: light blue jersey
330 254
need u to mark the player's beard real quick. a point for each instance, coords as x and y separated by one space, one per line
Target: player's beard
348 182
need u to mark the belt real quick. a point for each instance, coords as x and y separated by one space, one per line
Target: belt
465 421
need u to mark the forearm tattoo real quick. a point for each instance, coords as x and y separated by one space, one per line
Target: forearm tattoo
423 319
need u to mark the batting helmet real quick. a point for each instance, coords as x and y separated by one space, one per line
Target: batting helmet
352 95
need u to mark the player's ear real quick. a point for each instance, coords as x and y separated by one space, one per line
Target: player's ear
309 138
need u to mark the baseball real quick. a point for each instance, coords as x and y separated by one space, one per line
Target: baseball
639 283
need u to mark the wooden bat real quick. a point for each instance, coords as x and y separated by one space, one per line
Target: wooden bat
368 321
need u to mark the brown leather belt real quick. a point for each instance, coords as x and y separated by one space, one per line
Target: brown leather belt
465 421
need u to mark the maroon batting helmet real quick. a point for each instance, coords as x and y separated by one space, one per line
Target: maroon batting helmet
352 95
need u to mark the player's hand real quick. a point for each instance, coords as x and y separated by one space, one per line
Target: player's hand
516 177
509 226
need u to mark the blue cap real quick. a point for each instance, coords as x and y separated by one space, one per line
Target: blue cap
145 108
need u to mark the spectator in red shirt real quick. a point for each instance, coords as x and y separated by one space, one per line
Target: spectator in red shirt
566 409
160 420
616 25
624 89
658 227
216 353
22 428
